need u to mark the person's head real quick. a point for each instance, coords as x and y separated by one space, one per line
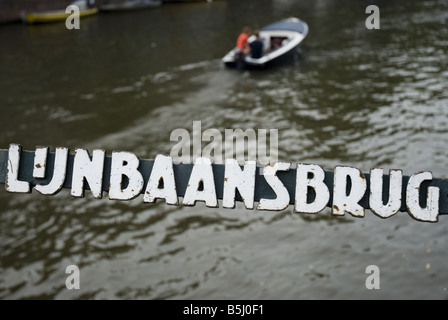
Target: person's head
246 30
257 34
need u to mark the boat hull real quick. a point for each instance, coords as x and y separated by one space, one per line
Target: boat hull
284 58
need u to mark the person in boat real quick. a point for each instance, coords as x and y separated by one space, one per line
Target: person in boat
256 46
90 3
242 45
242 42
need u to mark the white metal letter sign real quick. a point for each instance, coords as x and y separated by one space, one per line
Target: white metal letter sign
307 187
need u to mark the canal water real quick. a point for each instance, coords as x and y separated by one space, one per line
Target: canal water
358 97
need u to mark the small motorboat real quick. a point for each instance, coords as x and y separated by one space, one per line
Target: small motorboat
130 5
279 40
58 15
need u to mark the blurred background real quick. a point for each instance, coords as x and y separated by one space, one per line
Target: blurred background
124 81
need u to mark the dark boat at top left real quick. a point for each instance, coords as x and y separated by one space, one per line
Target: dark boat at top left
58 15
130 5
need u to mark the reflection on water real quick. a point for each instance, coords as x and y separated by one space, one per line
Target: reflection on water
124 82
